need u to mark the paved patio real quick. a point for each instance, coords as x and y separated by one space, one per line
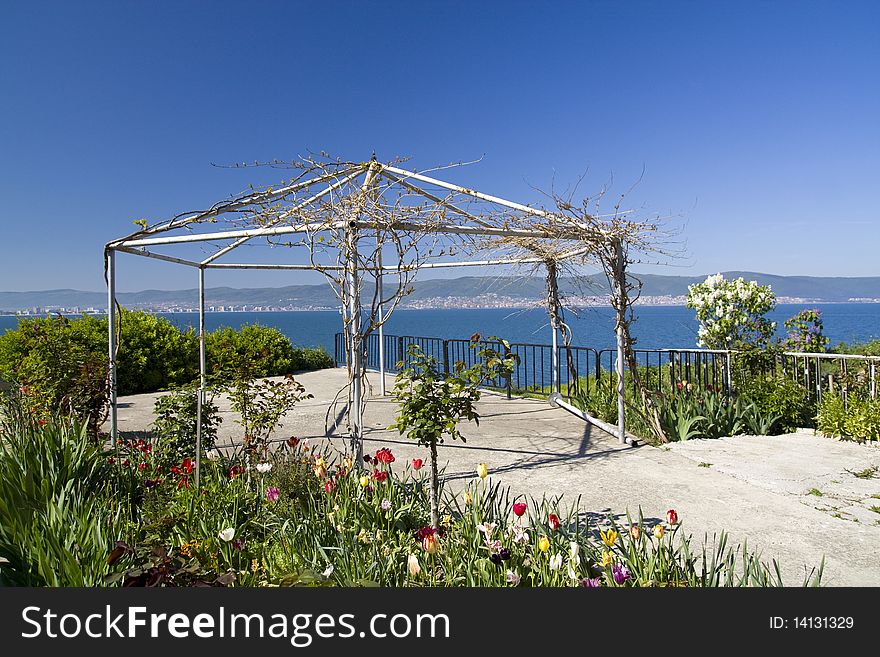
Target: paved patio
795 497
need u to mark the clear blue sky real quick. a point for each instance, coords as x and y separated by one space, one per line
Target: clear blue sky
757 121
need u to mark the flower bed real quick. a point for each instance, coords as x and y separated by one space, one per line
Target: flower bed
306 516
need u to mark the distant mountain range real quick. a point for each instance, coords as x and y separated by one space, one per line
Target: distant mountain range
810 288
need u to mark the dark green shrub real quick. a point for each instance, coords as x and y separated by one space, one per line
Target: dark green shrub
153 353
259 351
785 398
175 423
306 359
59 367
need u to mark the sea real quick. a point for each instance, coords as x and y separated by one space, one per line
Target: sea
656 327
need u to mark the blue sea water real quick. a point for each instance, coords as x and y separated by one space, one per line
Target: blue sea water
656 326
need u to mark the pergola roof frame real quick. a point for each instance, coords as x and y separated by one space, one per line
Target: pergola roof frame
137 243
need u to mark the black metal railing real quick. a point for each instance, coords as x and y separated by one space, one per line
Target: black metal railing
584 368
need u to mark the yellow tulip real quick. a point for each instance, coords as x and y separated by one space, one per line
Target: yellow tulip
609 537
635 531
364 481
320 471
607 558
658 531
543 544
468 498
482 470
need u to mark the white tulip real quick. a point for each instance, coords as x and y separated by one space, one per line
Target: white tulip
227 534
412 564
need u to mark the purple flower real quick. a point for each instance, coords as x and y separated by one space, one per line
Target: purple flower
588 583
238 544
620 573
272 493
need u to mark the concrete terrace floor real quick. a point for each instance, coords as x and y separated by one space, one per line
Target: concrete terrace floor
758 489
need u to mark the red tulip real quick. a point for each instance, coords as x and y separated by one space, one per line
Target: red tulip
672 517
384 455
417 464
431 544
293 441
328 486
519 508
553 521
380 475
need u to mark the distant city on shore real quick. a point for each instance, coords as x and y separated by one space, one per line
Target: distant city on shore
456 293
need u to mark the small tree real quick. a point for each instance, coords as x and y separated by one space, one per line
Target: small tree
176 423
805 332
261 405
433 403
732 312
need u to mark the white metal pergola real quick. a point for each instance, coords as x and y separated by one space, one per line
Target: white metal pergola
290 204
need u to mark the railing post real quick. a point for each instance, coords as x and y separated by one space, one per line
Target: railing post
446 356
873 381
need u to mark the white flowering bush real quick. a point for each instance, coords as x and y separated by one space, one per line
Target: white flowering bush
732 312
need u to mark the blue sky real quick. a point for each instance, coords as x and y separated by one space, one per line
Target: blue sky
754 121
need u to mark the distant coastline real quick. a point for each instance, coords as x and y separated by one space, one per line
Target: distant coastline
467 292
426 304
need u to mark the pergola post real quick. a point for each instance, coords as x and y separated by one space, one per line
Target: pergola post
111 341
619 284
352 285
380 292
200 399
553 311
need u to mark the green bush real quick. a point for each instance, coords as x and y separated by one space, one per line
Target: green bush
153 353
306 359
63 362
856 419
59 366
175 423
781 397
260 351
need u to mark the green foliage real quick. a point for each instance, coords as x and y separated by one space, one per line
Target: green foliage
694 413
856 418
433 404
57 526
805 332
260 351
63 361
307 359
732 312
153 353
871 348
779 397
306 517
175 422
599 399
59 368
261 404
